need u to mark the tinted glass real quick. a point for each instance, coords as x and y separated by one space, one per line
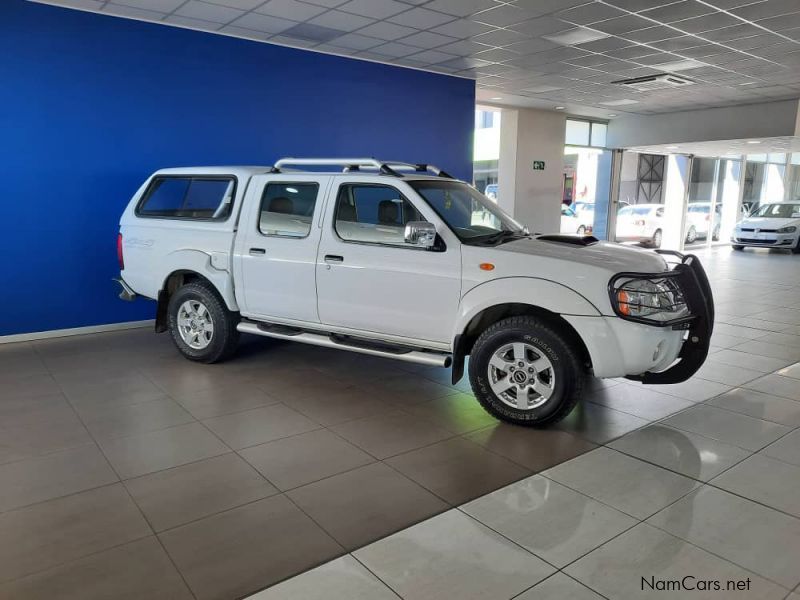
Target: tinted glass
188 198
373 213
777 211
287 209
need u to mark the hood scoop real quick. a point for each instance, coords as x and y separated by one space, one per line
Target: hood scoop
574 240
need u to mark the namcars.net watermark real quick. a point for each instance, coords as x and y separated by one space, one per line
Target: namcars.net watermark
690 583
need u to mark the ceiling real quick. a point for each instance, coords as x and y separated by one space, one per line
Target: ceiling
542 53
727 148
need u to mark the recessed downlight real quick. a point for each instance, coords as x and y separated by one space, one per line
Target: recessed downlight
753 141
496 98
672 147
559 107
612 115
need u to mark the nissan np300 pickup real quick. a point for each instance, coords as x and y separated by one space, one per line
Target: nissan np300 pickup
404 261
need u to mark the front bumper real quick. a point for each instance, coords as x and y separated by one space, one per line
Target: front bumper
765 240
692 279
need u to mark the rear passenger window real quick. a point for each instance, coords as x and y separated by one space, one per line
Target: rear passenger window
373 213
201 198
287 209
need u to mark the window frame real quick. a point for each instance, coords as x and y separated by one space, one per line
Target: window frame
287 183
204 177
403 246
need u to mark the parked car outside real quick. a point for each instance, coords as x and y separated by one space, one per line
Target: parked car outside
383 259
698 221
491 191
774 225
571 222
642 223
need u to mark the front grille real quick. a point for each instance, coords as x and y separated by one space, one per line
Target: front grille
755 241
761 230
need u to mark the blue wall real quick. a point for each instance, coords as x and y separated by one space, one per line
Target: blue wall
90 105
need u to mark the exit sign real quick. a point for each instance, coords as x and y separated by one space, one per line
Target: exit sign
538 165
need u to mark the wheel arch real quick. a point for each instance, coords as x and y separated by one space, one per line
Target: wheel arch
465 340
174 281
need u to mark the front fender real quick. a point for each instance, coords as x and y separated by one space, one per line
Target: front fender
552 296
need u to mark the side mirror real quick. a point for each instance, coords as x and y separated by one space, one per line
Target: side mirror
420 233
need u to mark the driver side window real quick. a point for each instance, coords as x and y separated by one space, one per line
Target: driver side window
374 214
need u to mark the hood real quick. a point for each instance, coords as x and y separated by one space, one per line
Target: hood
586 269
605 255
768 223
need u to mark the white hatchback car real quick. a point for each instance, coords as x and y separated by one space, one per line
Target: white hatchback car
404 262
641 223
774 225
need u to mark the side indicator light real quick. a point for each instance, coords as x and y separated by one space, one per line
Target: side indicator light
486 267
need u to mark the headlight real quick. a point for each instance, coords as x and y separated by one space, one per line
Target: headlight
789 229
657 300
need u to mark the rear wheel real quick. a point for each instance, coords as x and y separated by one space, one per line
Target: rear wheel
524 371
202 327
691 235
715 235
655 242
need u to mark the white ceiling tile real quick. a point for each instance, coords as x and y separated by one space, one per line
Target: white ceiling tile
326 3
341 20
433 56
387 31
461 8
290 9
426 39
355 41
463 28
421 18
191 23
505 15
578 35
133 12
377 9
162 6
208 12
394 49
241 4
263 23
500 37
94 5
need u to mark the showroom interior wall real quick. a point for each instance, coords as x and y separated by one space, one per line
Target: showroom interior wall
532 196
90 105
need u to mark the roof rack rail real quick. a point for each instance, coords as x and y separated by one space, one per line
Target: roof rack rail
354 164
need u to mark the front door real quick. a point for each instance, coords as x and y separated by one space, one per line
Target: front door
370 279
276 247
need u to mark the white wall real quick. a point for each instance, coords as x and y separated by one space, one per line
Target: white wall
770 119
532 197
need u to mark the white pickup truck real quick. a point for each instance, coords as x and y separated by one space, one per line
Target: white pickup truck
403 261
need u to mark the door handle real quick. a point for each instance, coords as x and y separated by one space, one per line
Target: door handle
258 251
334 258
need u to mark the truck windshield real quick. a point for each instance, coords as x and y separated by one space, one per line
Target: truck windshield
472 216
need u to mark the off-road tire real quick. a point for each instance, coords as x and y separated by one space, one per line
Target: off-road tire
545 337
225 337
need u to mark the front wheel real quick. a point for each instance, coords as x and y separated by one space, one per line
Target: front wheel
202 327
581 230
524 371
796 249
691 235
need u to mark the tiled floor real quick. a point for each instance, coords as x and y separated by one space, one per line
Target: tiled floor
127 472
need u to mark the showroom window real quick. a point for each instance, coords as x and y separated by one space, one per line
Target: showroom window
373 213
585 133
287 209
200 198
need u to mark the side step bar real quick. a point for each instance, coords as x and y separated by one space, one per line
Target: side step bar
433 359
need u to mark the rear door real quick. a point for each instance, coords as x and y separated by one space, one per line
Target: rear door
276 247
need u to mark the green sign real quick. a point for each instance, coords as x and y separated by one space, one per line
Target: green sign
538 165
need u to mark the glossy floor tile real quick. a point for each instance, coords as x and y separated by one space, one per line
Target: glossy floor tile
550 520
769 481
751 535
634 487
452 556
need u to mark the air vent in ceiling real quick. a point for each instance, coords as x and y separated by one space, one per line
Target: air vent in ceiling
655 82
